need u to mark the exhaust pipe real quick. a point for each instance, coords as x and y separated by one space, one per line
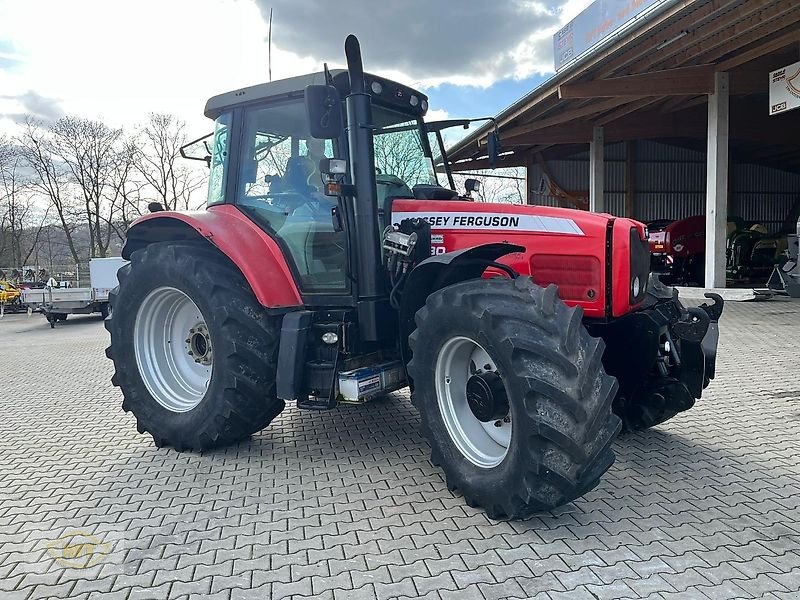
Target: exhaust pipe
371 280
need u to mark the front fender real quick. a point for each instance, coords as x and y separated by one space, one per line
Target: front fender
255 254
442 270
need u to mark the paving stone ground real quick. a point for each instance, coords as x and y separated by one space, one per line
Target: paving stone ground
345 504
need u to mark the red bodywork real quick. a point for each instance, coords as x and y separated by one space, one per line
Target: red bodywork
564 247
680 239
257 255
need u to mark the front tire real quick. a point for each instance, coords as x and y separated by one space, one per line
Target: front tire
194 352
540 367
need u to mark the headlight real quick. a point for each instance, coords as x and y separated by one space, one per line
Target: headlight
636 287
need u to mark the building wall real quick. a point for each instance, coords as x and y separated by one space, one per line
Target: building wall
670 184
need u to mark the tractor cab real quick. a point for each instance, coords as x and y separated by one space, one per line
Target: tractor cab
273 174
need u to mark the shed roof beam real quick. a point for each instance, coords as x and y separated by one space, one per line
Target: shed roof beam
670 82
789 37
712 12
565 116
738 35
705 37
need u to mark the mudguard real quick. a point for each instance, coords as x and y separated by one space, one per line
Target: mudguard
442 270
254 253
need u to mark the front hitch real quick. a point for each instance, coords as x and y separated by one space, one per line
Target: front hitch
663 355
697 332
714 311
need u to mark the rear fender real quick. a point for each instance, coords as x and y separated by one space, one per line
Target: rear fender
255 254
442 270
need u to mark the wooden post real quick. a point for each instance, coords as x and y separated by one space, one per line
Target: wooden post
531 167
596 171
717 181
630 179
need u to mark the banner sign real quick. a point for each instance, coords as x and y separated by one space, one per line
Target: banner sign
597 22
784 89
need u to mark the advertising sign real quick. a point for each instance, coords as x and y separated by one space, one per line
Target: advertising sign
784 89
597 22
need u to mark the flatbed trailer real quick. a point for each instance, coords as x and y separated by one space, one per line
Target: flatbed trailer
57 303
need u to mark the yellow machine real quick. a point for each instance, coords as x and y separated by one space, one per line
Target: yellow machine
9 293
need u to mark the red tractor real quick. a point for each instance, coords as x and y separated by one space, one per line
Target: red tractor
331 266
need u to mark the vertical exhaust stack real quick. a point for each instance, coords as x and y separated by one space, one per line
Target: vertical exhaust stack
369 270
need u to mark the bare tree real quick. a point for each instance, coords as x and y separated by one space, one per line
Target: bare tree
399 153
504 185
125 188
50 177
158 161
23 221
89 150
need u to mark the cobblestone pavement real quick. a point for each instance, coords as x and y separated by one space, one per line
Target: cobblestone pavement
346 505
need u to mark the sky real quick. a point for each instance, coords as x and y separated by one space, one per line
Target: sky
117 60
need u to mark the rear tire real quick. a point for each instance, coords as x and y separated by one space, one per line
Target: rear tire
240 395
559 396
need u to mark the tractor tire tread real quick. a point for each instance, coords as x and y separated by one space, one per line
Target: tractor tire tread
566 419
247 396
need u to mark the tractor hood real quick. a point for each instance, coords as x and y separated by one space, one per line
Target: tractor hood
579 251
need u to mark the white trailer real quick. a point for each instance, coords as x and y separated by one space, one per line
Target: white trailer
56 303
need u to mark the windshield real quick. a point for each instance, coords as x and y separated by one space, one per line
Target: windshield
400 150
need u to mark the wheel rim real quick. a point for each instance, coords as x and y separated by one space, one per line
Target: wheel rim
173 349
484 444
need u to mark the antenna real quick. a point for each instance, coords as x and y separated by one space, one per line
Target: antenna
269 45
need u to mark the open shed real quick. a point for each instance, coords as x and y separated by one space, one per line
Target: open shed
671 117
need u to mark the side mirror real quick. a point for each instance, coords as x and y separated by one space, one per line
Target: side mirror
472 185
324 111
493 147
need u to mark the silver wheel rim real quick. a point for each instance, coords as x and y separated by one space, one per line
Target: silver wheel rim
483 444
173 349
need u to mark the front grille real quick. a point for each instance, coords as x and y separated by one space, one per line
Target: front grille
640 265
577 277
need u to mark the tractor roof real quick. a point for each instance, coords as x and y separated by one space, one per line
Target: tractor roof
392 94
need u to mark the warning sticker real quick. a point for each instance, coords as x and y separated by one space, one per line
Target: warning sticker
495 221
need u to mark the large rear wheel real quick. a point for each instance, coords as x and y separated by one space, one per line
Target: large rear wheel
512 395
194 352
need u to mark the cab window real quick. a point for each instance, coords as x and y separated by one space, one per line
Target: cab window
219 158
280 188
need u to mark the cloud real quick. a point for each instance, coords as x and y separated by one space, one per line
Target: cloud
34 105
429 41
